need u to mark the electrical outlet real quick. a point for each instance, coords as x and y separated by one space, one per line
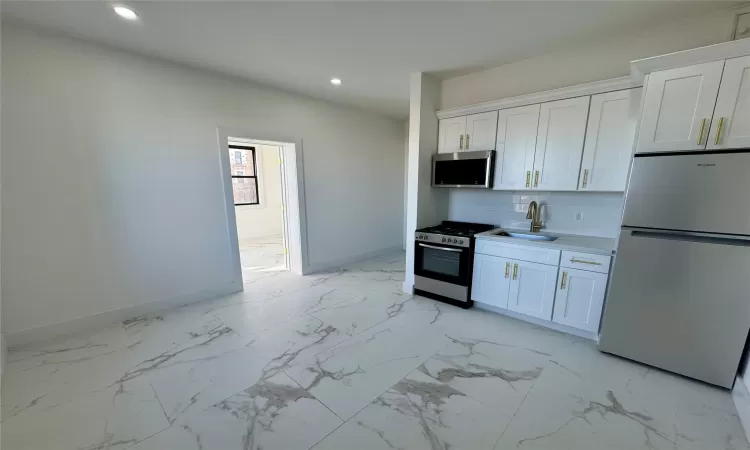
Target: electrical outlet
579 216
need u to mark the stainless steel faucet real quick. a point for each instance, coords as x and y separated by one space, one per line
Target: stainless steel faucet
534 213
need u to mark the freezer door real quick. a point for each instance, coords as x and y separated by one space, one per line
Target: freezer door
680 303
691 192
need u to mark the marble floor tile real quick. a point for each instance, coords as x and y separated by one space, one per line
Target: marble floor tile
492 372
418 413
361 312
349 376
283 363
273 414
113 418
251 318
587 416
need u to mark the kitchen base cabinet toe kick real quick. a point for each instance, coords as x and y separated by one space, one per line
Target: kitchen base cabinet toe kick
565 292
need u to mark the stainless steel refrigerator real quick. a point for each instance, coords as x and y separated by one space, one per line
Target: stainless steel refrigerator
679 297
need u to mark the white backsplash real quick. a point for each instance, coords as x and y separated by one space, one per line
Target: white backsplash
601 212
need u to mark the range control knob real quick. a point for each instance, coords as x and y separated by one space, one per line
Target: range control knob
443 239
455 241
461 241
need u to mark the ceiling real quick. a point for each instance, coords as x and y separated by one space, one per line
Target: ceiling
371 46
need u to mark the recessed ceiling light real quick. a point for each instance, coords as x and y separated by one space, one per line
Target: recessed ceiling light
125 12
335 81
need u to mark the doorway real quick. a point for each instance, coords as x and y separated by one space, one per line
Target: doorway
258 207
263 186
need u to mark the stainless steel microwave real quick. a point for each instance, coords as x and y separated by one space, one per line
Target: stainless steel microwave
463 170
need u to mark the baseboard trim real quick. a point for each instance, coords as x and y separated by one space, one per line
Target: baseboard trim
542 323
100 320
321 266
741 398
408 287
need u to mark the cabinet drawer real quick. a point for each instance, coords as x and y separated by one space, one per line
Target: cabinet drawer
521 252
585 261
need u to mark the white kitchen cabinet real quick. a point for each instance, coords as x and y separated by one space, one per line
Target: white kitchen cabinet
559 144
451 134
491 280
481 130
579 299
515 145
532 289
678 108
730 127
610 133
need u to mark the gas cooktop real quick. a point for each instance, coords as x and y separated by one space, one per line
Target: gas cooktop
462 229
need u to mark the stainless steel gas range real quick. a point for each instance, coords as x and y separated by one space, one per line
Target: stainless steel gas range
443 261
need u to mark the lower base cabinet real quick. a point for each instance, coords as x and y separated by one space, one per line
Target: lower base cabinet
520 286
566 296
491 280
579 299
532 289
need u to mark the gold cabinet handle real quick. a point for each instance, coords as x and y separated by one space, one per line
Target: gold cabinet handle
718 131
562 282
573 260
585 177
507 269
515 271
536 178
528 178
467 140
461 142
703 128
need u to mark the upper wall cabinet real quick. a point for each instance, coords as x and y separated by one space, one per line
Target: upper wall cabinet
559 144
475 132
451 134
730 127
678 108
516 144
613 118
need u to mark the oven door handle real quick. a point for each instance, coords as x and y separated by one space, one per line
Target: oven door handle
456 250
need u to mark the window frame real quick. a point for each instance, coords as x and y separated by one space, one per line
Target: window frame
253 152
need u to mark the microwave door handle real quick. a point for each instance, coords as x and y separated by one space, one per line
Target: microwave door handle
456 250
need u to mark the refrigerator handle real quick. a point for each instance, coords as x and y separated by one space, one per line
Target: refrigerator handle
687 236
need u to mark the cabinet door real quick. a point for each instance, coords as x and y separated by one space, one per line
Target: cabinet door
579 299
451 134
559 144
609 140
532 289
481 130
491 280
732 107
679 104
516 143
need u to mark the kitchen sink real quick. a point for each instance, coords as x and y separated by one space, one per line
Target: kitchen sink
527 236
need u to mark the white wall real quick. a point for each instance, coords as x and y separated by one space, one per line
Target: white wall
601 213
112 194
424 205
593 61
265 219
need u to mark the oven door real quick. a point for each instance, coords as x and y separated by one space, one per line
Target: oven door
443 263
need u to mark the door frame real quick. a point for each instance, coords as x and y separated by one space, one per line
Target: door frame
293 195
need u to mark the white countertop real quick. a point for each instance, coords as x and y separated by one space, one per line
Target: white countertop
578 243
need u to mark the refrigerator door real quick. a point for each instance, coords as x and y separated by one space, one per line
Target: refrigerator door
691 192
679 302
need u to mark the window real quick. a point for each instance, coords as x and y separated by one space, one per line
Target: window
244 175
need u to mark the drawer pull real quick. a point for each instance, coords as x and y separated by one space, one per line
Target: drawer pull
573 260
